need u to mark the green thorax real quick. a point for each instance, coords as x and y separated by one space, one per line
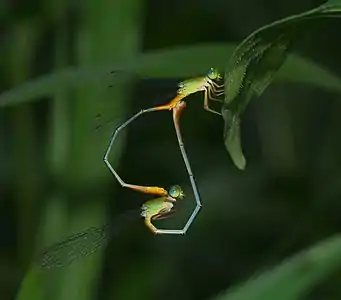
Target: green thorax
191 86
155 206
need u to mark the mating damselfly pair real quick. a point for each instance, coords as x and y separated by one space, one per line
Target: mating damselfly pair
88 241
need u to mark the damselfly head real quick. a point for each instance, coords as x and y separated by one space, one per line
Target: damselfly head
176 192
213 74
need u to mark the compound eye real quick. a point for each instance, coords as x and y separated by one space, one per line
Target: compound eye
212 73
176 192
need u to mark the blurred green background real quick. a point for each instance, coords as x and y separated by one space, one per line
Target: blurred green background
53 181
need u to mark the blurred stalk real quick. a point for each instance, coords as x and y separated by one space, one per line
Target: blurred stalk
55 221
54 217
110 31
24 160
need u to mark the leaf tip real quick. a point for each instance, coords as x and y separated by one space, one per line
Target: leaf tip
232 139
237 156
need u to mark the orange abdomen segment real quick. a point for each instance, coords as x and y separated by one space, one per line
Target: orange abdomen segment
154 190
171 104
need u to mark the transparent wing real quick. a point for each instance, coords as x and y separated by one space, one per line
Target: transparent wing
83 243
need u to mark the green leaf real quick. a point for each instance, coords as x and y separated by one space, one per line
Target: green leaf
256 61
294 277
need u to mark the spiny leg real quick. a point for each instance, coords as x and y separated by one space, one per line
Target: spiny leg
206 103
210 96
216 85
154 190
217 90
164 215
176 119
211 90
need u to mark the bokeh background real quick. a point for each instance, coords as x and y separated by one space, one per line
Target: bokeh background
53 181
